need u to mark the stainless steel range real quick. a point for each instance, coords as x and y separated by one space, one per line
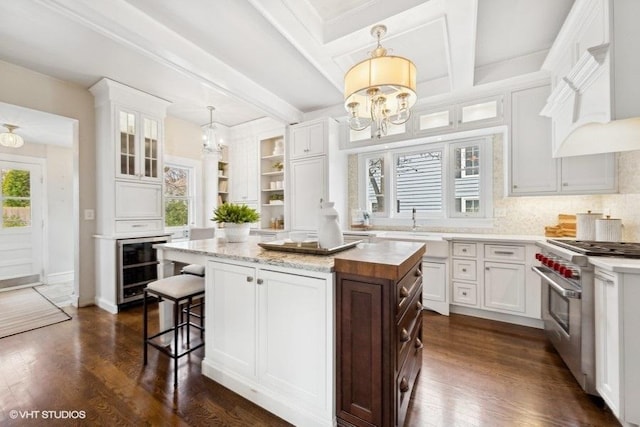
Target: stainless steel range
568 299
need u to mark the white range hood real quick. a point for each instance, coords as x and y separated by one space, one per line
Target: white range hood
595 102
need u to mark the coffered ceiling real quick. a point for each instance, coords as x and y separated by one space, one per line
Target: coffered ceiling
278 58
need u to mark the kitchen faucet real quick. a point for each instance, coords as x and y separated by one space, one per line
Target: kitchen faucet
413 217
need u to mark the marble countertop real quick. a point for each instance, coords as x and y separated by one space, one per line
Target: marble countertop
617 265
426 236
249 251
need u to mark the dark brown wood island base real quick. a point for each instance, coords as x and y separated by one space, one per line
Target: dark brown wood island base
378 332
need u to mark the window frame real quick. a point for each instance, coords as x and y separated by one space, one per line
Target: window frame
448 216
194 189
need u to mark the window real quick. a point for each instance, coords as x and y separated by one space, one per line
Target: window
439 180
418 179
15 195
178 196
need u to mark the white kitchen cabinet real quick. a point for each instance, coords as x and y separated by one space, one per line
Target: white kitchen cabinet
316 175
309 139
434 286
465 115
496 281
504 286
129 167
532 169
617 296
292 332
270 334
243 171
139 146
307 178
231 333
607 321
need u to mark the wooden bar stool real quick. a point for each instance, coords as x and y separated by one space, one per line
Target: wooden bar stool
180 289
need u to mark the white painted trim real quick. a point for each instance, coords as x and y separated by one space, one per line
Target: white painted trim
62 277
198 192
103 304
500 317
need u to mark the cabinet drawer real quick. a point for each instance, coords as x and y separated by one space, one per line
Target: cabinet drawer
464 269
407 329
138 200
464 249
465 293
504 252
407 287
138 226
406 379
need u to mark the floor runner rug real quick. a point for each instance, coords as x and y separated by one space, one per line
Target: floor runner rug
26 309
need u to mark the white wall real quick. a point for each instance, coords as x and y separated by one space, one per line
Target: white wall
59 212
26 88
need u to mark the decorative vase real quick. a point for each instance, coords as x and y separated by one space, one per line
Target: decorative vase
329 233
236 233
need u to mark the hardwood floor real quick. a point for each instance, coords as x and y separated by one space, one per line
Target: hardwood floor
475 373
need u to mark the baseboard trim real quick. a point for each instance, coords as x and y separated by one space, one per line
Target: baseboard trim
500 317
62 277
113 309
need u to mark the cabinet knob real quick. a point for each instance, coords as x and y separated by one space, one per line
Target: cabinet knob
418 345
464 270
404 335
249 278
464 293
260 281
487 268
404 385
464 250
404 292
565 184
515 186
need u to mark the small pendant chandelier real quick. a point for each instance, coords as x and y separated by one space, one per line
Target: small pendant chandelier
10 139
380 90
210 142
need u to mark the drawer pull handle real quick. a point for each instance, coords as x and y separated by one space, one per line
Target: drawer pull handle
404 385
138 225
464 270
249 279
404 335
404 292
418 306
464 249
504 253
418 273
418 345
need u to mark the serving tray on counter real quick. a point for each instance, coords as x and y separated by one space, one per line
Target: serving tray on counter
306 247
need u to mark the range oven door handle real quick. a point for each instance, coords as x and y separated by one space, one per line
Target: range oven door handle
567 291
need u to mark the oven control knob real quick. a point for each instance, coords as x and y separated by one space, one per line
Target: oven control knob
556 266
570 274
562 269
539 256
549 262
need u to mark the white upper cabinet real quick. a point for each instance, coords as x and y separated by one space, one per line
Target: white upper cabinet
308 139
594 67
139 152
129 167
533 170
243 170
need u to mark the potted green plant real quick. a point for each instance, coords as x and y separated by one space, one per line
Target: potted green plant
236 219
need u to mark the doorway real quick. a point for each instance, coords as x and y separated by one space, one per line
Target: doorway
21 225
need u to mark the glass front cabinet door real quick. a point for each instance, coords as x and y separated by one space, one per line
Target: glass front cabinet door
138 147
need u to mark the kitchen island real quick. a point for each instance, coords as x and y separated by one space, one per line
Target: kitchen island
270 321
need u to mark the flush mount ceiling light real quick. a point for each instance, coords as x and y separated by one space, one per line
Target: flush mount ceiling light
10 139
210 135
380 90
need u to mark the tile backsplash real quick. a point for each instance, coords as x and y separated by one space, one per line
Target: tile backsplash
529 215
